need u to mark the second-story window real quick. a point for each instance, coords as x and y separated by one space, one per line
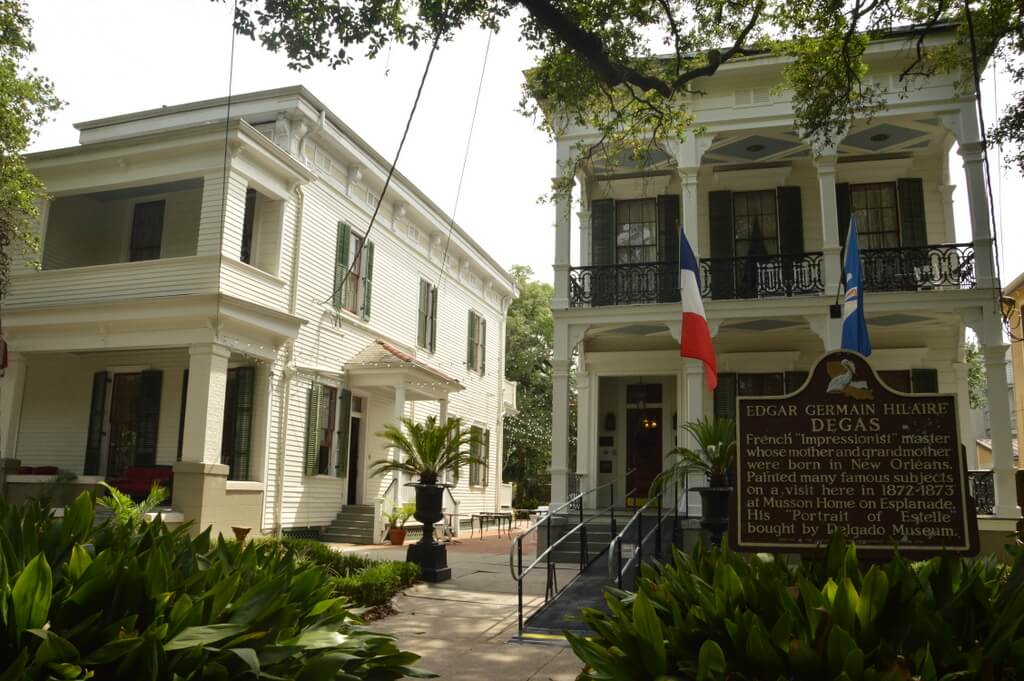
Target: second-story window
247 226
426 336
476 343
147 231
353 272
877 214
636 231
755 223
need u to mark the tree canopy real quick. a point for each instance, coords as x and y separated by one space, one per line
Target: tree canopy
628 67
26 100
529 338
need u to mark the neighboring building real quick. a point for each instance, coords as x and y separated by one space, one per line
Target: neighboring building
766 212
1014 299
250 334
982 420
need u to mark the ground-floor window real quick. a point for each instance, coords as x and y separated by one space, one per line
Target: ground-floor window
236 438
481 447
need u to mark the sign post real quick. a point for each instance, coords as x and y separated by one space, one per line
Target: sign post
844 452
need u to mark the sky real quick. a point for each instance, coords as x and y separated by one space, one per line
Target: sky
108 57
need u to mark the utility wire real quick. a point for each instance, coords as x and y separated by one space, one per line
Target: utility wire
391 171
465 159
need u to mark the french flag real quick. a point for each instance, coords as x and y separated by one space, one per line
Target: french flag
695 336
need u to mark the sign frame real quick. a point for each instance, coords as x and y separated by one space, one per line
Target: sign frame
964 521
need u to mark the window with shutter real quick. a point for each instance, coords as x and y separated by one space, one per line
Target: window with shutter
367 280
913 230
236 440
475 469
147 231
427 321
147 418
312 439
722 243
181 417
875 207
97 408
668 247
485 454
341 255
476 343
248 221
725 396
344 433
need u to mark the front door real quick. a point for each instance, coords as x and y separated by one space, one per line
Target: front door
643 453
124 400
353 460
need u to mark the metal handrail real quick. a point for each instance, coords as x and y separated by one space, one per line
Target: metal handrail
515 556
385 499
615 546
545 520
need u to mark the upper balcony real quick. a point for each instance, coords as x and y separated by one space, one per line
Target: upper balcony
914 268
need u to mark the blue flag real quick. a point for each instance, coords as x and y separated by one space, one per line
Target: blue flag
855 327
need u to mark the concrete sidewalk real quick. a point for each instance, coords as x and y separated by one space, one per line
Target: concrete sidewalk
462 627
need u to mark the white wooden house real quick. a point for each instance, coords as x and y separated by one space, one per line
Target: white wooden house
766 212
250 334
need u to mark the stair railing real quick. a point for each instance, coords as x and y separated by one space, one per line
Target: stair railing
616 569
575 505
451 531
387 505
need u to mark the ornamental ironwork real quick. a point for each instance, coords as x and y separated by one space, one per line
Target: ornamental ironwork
762 276
625 284
919 268
983 489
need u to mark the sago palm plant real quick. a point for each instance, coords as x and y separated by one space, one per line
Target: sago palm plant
430 448
714 453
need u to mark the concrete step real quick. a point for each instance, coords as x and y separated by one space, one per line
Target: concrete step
353 521
347 537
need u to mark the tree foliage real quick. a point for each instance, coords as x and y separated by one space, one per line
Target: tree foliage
26 101
977 384
529 339
631 68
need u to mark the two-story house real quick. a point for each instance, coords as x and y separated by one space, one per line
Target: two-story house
766 212
212 298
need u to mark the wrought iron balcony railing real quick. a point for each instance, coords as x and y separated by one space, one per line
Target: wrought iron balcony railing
983 489
919 268
628 284
761 276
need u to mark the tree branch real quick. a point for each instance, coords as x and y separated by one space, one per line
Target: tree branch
717 58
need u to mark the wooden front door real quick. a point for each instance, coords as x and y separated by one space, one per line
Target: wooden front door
124 400
643 452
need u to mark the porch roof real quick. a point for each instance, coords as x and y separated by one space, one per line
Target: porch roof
382 364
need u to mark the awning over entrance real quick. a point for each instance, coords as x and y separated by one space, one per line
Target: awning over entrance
380 364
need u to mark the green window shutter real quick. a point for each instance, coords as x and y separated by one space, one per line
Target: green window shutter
312 430
344 426
433 318
791 221
474 468
368 280
483 346
722 243
910 194
422 332
725 396
668 247
924 380
471 341
341 263
242 445
486 456
97 407
602 232
147 418
843 211
181 418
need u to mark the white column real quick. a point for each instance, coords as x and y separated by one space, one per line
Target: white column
442 415
204 403
401 492
12 391
559 429
694 383
829 330
831 268
690 201
586 449
563 227
263 391
999 411
973 154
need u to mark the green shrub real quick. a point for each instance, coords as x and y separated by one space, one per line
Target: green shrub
140 601
377 584
718 615
310 551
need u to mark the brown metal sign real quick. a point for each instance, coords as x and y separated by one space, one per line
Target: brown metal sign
844 452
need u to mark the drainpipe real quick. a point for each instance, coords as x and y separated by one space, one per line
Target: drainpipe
500 430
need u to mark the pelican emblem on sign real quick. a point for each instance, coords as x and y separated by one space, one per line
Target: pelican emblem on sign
842 374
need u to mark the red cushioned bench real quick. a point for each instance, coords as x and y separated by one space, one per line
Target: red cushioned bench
138 480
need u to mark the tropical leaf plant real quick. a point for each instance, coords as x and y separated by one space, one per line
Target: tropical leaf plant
429 448
124 509
714 453
142 601
717 615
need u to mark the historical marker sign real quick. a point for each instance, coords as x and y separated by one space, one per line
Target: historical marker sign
846 452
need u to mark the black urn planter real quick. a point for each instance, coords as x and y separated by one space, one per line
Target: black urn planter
714 503
431 556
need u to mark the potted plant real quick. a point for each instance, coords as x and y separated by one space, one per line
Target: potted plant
396 522
714 454
429 450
